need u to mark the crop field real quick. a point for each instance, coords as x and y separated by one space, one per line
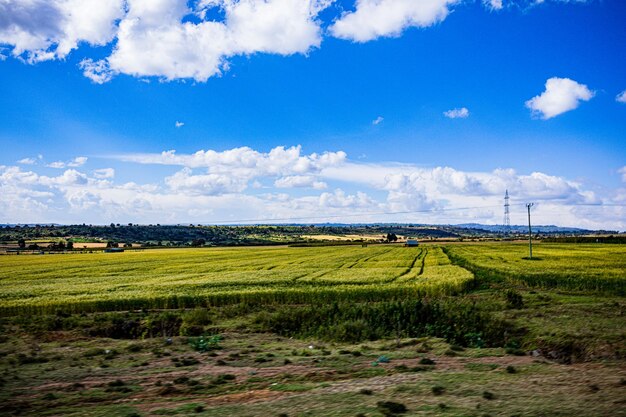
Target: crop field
587 267
181 278
454 330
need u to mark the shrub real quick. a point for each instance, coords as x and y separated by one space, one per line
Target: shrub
487 395
205 343
438 390
389 408
514 299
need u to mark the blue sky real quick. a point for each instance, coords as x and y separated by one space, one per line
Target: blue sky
362 96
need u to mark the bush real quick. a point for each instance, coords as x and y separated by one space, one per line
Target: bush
205 343
514 299
438 390
487 395
389 408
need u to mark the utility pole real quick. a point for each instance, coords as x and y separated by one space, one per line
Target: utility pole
530 233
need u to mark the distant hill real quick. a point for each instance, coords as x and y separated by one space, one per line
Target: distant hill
498 228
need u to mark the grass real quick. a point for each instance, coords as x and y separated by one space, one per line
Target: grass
581 267
187 278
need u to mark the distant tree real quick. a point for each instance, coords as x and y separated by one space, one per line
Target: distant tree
33 246
70 245
198 242
21 243
391 237
111 244
128 245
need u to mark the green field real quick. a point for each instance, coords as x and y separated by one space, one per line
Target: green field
586 267
180 278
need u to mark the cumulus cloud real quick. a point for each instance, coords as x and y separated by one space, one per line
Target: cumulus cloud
74 163
40 30
156 39
460 113
378 120
97 71
170 39
621 97
373 19
561 95
27 161
339 199
217 188
245 161
208 184
104 173
300 181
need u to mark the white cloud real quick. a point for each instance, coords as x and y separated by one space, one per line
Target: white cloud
57 165
170 39
378 120
27 161
561 95
40 30
382 18
209 184
460 113
621 97
339 199
493 4
104 173
246 161
77 162
96 71
74 163
300 181
179 124
218 188
153 40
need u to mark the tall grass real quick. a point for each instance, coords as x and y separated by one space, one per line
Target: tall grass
582 267
188 278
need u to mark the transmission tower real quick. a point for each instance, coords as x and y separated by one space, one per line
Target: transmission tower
507 218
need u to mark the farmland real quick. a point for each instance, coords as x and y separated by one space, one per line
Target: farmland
455 330
593 267
212 277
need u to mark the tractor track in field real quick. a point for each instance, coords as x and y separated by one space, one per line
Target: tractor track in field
409 269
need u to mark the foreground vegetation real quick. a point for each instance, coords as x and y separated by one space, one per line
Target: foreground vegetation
316 331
